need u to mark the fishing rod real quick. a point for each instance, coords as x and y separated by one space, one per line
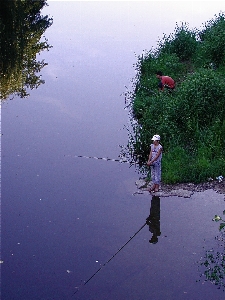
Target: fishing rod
85 282
103 158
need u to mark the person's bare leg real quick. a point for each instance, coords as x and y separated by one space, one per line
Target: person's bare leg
152 188
156 187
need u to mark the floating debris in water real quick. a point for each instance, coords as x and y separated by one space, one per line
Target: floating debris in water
220 178
217 218
68 271
137 193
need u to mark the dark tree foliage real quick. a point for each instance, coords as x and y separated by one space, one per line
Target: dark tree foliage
21 29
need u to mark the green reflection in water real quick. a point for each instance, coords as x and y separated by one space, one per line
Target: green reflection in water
212 265
21 29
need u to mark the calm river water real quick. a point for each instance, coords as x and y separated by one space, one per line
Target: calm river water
64 217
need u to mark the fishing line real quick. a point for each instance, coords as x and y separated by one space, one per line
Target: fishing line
85 282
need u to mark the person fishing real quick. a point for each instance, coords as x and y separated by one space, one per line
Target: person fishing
165 82
154 161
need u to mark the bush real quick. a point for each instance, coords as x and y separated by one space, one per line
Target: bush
182 42
199 104
212 37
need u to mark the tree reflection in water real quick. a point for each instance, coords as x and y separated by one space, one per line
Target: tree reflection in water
21 29
153 220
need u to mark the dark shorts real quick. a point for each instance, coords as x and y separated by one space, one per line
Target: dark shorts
165 86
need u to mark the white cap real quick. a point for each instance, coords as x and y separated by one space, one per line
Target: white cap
156 137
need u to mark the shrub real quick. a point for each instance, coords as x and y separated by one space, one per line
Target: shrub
182 42
212 39
200 103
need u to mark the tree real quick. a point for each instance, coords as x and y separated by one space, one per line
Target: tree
21 28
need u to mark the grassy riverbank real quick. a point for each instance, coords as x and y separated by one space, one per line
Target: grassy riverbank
191 120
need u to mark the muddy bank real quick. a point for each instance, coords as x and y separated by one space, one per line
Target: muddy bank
181 189
213 184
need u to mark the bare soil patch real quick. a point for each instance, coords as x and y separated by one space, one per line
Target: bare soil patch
212 184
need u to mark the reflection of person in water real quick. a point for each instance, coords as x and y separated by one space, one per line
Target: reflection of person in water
153 220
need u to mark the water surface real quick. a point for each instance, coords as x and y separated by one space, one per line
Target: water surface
63 217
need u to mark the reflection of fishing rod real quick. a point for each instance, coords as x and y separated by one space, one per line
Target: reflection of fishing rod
122 160
85 282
